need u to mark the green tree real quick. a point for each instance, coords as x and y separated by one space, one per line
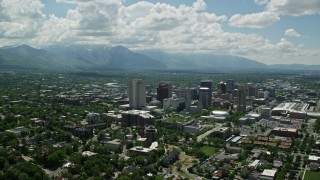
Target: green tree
2 162
245 172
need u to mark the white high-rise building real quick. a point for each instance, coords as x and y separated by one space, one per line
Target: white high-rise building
137 94
241 99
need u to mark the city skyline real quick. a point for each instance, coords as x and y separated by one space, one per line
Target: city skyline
272 32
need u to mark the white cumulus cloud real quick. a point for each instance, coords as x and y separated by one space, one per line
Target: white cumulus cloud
274 9
20 19
291 32
261 2
144 25
294 7
200 5
254 20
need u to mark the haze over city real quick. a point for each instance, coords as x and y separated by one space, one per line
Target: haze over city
267 31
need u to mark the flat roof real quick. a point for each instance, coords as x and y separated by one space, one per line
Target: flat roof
221 129
141 149
292 107
142 139
254 163
220 113
236 139
144 114
285 129
269 172
88 153
154 145
254 115
313 158
115 141
204 88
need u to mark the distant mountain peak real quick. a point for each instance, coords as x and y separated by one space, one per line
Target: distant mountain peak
209 61
120 48
77 56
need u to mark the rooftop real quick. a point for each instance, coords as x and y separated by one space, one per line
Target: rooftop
88 153
115 142
154 145
313 158
144 114
269 172
220 113
236 139
254 163
141 149
291 106
285 129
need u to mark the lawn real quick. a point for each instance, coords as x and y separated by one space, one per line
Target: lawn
209 150
311 175
175 119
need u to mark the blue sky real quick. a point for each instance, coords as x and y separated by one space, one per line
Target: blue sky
256 29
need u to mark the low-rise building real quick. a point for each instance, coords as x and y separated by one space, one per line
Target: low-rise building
219 119
233 149
177 104
150 132
93 118
137 118
254 164
268 174
236 139
88 153
170 158
110 116
222 132
18 131
293 109
83 132
114 145
285 132
247 120
265 112
141 150
313 158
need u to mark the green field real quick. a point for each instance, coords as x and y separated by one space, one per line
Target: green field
311 175
209 150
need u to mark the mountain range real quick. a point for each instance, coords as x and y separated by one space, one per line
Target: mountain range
99 57
76 57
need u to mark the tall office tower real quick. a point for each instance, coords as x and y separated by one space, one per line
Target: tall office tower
188 98
260 93
241 99
137 94
186 95
230 85
194 93
252 90
164 90
204 98
207 84
222 87
272 92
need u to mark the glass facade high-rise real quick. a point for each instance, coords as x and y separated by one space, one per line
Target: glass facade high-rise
207 84
164 90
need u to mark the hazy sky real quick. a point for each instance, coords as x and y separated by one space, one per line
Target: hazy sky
269 31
